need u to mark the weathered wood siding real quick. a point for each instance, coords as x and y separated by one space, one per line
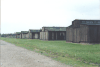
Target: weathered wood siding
44 35
18 36
57 35
13 36
69 34
30 35
25 36
94 34
77 34
40 35
86 31
36 36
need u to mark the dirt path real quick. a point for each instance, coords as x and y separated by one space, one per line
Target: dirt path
13 56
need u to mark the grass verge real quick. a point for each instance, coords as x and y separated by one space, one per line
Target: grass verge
76 55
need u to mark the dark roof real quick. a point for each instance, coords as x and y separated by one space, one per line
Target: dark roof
18 32
4 34
87 22
24 32
9 34
34 30
13 34
55 28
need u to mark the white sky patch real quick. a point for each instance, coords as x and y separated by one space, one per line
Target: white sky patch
22 15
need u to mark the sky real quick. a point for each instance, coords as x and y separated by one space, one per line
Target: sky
22 15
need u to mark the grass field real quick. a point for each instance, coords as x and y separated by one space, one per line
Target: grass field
73 54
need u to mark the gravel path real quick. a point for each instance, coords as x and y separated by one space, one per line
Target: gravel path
13 56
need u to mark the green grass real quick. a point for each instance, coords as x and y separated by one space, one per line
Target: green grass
73 54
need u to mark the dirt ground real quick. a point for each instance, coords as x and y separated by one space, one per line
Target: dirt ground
13 56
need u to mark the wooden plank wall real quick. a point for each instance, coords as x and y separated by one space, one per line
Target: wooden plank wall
37 35
69 34
83 33
18 36
94 34
77 34
30 35
44 35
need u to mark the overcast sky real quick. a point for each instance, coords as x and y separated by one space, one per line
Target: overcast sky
22 15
